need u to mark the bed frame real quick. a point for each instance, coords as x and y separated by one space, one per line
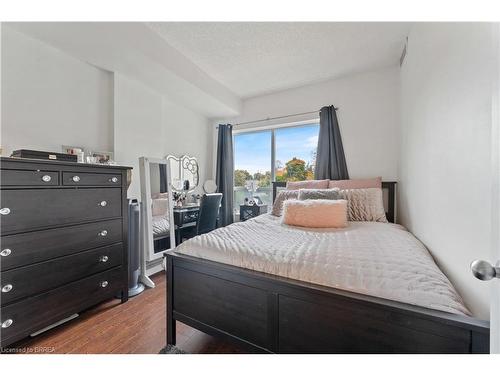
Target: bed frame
273 314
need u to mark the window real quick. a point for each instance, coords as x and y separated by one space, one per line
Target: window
291 149
252 167
296 152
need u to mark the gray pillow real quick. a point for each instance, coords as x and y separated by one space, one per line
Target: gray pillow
332 194
282 196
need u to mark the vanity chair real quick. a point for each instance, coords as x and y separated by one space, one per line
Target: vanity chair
209 213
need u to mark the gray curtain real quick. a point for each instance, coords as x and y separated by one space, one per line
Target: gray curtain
163 178
225 173
330 158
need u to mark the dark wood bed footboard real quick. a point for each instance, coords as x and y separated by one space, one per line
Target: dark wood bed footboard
273 314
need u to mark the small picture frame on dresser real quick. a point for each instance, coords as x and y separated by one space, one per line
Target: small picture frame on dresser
79 151
100 157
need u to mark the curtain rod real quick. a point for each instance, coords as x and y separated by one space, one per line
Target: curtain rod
276 118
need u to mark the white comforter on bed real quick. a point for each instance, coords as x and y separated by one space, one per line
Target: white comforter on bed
377 259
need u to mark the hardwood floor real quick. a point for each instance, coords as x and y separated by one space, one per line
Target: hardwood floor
138 326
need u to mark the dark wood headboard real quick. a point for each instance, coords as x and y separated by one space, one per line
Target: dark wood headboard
389 186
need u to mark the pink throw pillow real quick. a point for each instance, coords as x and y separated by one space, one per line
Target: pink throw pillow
308 184
315 213
360 183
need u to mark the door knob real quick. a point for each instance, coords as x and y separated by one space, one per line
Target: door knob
483 270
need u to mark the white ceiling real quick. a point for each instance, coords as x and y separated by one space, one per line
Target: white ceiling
136 51
256 58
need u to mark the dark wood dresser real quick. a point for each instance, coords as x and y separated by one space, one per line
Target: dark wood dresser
63 241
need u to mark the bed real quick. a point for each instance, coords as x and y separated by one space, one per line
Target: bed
161 226
370 288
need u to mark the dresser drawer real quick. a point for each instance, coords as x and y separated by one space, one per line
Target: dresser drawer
26 281
32 247
29 315
99 179
24 210
12 177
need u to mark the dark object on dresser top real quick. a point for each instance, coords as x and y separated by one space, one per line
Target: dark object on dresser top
64 233
44 155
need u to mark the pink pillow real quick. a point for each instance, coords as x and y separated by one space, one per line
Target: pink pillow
315 213
308 184
360 183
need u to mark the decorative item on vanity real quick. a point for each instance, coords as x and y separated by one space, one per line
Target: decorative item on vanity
196 199
210 186
179 198
71 254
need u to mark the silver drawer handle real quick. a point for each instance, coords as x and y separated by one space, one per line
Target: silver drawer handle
103 259
76 178
7 288
103 233
113 179
103 203
104 284
7 323
5 211
46 178
5 252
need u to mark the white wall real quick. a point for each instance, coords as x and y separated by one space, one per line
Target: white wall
189 133
445 166
138 126
368 116
146 124
51 99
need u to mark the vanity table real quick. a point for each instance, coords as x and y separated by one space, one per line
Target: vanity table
185 219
